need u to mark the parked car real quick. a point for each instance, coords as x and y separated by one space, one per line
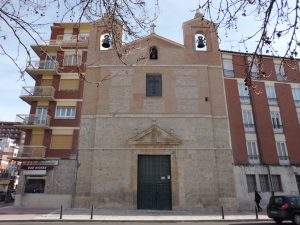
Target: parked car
281 208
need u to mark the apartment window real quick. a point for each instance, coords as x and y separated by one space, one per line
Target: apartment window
296 96
271 95
251 182
48 63
254 70
153 85
252 151
34 185
281 150
264 183
244 93
72 59
279 70
276 183
63 112
276 122
83 37
248 120
228 68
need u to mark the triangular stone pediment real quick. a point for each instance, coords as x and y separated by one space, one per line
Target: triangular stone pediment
155 136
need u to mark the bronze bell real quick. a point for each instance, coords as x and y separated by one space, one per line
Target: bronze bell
106 41
200 42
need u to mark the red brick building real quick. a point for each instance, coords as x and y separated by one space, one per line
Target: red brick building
52 125
264 126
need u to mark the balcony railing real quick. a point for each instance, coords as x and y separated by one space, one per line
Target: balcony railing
82 39
253 159
278 128
284 160
228 73
245 99
46 92
249 127
32 152
42 65
272 101
33 120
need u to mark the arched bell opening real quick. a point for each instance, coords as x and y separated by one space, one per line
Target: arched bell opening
200 42
105 41
153 53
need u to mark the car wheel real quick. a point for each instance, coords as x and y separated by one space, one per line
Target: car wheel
296 219
278 221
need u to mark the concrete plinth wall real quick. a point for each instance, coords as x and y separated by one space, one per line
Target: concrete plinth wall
246 199
59 187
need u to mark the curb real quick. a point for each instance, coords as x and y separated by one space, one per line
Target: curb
131 221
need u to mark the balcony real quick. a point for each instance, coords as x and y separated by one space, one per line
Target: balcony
28 121
37 93
70 40
278 129
31 152
249 128
228 73
272 101
253 159
36 67
245 99
284 160
47 46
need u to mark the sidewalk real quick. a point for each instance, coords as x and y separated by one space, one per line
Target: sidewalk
11 213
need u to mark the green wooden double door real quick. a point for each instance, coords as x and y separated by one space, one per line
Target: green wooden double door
154 182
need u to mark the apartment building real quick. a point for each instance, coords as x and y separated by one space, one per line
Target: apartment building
52 126
184 110
9 130
264 126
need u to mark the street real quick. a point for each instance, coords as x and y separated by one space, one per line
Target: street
141 223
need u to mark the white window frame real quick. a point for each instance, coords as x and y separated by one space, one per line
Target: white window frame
82 37
282 151
228 68
280 74
65 112
244 93
271 95
72 59
248 120
276 121
254 69
252 151
296 96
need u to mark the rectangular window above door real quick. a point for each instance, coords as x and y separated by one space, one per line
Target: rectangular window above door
153 85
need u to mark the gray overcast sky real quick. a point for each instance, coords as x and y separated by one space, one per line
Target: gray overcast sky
172 14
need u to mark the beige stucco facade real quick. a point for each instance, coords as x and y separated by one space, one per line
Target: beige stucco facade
188 122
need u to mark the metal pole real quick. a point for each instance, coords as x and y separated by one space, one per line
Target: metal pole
222 211
256 213
61 212
92 212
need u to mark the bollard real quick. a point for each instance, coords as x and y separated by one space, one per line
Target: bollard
222 211
256 213
92 212
60 213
